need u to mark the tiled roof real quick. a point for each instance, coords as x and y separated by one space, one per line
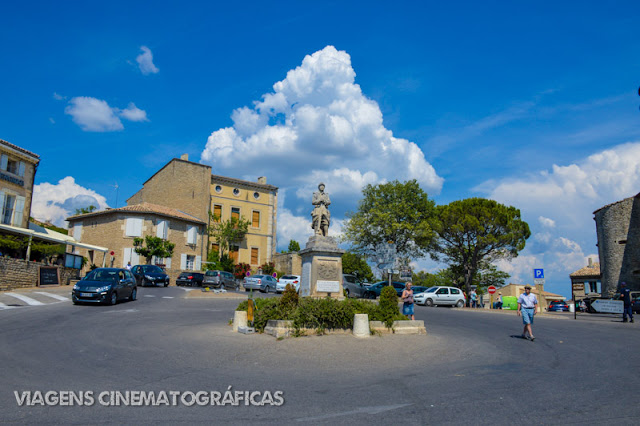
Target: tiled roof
144 208
612 204
593 271
17 148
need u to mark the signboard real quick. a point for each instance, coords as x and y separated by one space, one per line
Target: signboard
49 275
607 306
328 286
538 281
538 273
491 289
578 290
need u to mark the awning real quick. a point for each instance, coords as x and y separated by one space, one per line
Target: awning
41 233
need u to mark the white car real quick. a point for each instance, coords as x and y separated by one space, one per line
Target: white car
288 279
434 296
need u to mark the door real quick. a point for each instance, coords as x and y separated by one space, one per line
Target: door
442 296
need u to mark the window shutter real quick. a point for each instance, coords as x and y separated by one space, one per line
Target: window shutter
168 262
183 261
4 162
255 222
21 168
191 234
135 257
198 263
254 255
129 227
162 229
77 231
138 229
217 212
1 205
17 215
127 257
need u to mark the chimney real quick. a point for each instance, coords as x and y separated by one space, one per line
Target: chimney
262 180
590 263
184 157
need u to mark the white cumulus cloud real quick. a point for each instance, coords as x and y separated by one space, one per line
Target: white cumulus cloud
317 125
145 61
56 202
95 115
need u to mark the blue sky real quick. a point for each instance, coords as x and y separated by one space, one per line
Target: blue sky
533 104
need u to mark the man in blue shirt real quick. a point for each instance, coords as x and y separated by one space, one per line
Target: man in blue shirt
527 304
625 295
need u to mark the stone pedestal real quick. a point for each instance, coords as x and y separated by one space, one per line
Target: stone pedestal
321 268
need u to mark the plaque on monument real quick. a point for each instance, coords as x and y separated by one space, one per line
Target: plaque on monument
328 286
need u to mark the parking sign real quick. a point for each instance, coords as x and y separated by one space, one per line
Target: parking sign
538 273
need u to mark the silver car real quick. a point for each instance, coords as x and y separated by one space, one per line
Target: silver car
434 296
264 283
352 287
219 279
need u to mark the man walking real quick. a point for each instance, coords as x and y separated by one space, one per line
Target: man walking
625 295
527 304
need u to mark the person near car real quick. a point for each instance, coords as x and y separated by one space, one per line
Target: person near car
527 304
474 299
407 299
499 301
128 266
625 295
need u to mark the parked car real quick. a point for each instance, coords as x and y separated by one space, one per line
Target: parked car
373 291
434 296
105 285
190 279
219 279
150 275
264 283
352 287
558 306
417 289
294 280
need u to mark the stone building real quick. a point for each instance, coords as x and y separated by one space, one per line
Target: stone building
618 232
116 229
191 188
17 175
590 277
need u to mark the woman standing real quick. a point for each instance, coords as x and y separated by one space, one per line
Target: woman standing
407 299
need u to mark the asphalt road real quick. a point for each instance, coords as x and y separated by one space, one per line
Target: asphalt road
470 368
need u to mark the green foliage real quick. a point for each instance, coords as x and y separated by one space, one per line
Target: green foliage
46 251
240 270
155 246
268 268
356 265
476 231
289 300
294 246
215 262
85 210
440 278
389 305
13 245
394 211
490 275
227 232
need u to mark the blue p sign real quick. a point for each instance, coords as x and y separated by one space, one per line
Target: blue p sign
538 273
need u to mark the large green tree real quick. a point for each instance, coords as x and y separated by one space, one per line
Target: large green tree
476 231
227 232
398 212
153 246
354 264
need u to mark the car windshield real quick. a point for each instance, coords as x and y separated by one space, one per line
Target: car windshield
184 275
212 273
151 269
431 289
102 275
288 277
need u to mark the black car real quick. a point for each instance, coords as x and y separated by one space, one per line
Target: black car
150 275
191 279
105 285
373 291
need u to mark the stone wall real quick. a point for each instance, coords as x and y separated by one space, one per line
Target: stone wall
618 232
19 273
288 263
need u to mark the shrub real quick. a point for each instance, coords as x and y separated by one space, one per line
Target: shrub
389 305
289 299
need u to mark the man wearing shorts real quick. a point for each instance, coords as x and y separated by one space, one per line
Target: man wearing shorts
527 304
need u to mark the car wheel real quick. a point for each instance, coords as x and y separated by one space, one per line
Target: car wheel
347 293
114 298
460 304
133 295
268 290
166 284
428 302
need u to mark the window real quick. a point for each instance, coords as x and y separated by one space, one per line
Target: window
218 188
255 219
133 227
77 231
162 229
254 255
12 166
236 191
443 291
455 291
192 234
235 213
256 195
215 247
11 209
217 212
233 253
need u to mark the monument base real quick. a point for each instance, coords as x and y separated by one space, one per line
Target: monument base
321 268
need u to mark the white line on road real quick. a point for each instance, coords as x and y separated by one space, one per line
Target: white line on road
149 295
362 410
26 299
186 289
167 297
55 296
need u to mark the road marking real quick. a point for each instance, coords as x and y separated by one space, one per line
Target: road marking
186 289
149 295
3 306
362 410
167 297
55 296
26 299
